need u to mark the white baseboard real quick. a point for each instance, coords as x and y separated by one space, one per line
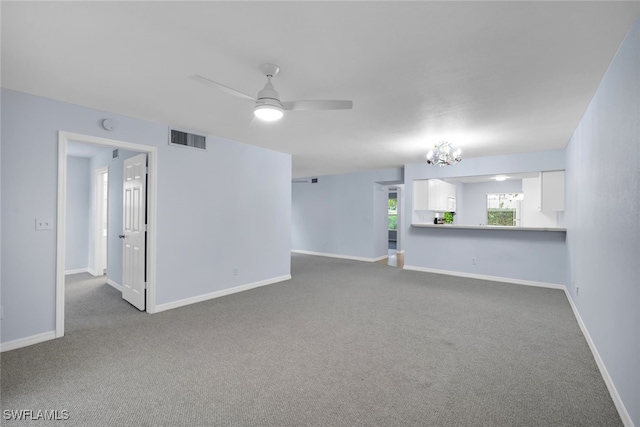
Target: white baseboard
484 277
218 294
622 410
114 284
24 342
76 271
93 272
354 258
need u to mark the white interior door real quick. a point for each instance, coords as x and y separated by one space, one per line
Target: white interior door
134 234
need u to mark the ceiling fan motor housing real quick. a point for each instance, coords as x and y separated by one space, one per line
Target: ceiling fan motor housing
269 96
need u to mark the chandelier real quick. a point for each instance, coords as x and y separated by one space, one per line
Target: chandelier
444 154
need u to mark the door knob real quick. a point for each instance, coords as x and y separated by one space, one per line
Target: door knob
122 236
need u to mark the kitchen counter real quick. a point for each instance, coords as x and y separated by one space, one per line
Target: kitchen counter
487 227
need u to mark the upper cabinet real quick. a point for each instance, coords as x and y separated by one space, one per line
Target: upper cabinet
434 195
421 195
552 191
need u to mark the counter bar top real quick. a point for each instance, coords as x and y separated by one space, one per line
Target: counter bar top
488 227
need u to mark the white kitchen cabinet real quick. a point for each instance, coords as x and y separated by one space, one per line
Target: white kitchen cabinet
421 195
434 195
552 191
435 204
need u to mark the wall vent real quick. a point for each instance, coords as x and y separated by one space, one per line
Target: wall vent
184 139
115 154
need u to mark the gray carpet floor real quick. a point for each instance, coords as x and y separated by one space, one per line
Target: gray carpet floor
344 343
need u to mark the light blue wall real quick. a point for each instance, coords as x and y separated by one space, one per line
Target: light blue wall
603 218
78 212
342 214
524 255
473 209
115 215
201 237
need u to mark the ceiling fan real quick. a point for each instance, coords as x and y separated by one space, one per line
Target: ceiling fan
267 105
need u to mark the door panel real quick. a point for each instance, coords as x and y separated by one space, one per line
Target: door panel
134 252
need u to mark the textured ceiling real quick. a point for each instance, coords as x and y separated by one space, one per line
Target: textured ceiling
491 77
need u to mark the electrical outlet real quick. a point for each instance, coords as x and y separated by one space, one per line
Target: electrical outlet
1 312
577 290
235 271
473 261
44 224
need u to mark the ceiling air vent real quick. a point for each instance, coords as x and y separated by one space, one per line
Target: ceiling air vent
184 139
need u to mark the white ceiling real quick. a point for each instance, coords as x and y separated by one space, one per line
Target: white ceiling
79 149
490 77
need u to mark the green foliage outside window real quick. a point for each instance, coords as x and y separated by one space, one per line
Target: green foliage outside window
393 222
393 214
501 217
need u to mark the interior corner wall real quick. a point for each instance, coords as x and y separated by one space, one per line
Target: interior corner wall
336 215
78 213
201 237
603 220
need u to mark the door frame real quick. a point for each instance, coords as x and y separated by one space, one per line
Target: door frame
152 207
98 201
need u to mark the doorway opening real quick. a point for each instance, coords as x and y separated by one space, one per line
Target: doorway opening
394 228
101 220
100 229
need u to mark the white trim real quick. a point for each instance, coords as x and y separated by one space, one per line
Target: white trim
76 271
218 294
24 342
114 284
152 205
94 273
60 232
354 258
484 277
152 228
622 410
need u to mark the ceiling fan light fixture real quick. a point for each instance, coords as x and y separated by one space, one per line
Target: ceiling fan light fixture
268 112
267 105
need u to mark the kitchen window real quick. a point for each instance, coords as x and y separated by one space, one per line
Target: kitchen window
503 209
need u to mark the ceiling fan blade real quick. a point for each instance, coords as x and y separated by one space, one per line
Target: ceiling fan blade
317 105
220 86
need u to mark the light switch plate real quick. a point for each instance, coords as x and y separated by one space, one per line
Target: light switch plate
44 224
